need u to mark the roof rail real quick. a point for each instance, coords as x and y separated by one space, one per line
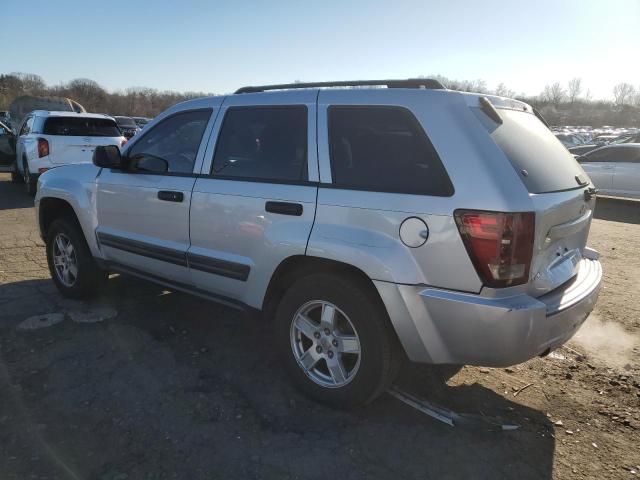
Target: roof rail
427 83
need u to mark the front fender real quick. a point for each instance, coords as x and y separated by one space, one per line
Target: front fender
76 185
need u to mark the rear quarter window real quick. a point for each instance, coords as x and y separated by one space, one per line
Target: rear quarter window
541 161
81 127
384 149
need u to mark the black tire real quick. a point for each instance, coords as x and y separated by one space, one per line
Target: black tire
380 354
16 176
31 184
89 275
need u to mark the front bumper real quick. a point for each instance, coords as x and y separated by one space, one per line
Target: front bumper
446 327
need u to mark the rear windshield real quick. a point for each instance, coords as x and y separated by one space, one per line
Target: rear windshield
81 127
126 122
542 162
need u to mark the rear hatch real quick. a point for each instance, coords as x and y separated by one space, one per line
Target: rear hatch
73 139
557 184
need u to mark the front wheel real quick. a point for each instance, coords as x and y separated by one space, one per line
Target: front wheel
336 341
72 267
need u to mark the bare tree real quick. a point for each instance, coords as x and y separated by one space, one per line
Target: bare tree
623 93
554 94
32 84
575 89
503 91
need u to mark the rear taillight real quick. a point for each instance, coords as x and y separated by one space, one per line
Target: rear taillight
43 147
123 142
500 245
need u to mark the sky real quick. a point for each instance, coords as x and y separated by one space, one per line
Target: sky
217 47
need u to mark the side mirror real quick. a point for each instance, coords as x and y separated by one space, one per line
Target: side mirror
107 156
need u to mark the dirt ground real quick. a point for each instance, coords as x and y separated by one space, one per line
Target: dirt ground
143 383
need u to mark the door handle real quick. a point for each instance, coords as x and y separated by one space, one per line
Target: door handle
284 208
170 196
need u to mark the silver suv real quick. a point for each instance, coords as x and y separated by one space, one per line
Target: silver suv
366 223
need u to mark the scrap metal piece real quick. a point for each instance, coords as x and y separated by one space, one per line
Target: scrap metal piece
448 416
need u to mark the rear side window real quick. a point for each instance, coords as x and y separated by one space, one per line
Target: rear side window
263 143
81 127
542 162
384 149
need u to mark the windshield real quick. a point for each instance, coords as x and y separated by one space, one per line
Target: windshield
532 148
81 127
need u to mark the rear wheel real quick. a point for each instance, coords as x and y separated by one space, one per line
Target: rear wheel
336 341
72 267
16 176
29 182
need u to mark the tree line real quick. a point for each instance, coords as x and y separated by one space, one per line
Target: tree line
134 101
570 104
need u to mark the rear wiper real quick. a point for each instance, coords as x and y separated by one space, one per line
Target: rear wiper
491 112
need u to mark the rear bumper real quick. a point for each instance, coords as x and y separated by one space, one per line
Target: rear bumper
441 326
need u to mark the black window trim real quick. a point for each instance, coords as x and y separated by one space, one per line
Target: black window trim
213 176
416 124
145 133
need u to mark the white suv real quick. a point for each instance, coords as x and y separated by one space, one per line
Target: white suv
51 139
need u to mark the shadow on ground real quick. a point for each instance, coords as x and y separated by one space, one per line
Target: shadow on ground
618 210
177 387
13 195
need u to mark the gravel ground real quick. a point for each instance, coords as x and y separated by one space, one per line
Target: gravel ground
143 383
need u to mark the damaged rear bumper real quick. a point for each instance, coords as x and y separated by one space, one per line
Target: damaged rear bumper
446 327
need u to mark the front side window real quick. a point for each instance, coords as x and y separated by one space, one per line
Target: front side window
384 149
172 145
263 143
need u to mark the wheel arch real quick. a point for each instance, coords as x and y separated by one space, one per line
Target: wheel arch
298 266
50 209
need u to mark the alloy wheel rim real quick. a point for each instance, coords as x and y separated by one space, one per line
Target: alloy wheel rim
65 261
325 344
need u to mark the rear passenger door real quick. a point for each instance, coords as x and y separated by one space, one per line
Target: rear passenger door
25 145
254 203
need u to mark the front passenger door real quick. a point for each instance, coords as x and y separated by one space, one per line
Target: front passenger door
599 165
143 211
626 179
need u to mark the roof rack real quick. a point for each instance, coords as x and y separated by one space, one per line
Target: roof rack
426 83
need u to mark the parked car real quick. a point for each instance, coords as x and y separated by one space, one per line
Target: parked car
361 222
5 118
127 126
569 139
625 138
614 169
141 121
51 139
7 148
